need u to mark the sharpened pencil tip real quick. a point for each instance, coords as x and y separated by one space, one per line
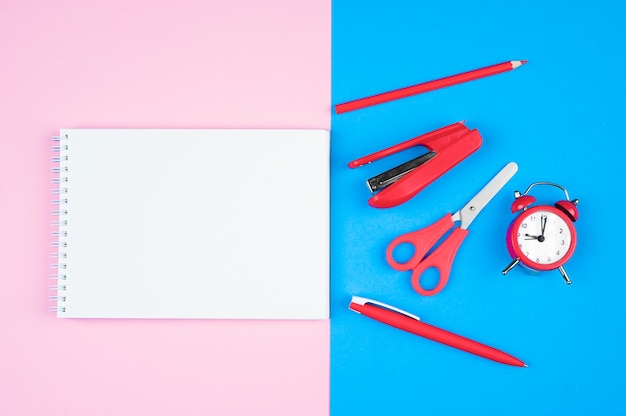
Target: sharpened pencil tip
524 61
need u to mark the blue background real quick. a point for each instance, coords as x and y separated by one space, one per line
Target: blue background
560 118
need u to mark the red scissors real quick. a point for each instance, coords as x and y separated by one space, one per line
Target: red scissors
424 239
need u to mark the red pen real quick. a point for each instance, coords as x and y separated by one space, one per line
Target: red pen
408 322
428 86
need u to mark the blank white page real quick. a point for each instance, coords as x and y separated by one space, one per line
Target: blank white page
229 224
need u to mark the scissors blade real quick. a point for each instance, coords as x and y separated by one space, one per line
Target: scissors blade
468 213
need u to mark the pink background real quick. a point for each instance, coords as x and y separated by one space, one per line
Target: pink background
148 64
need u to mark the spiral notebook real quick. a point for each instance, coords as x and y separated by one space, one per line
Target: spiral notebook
216 224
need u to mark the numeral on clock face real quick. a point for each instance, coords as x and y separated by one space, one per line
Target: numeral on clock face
544 237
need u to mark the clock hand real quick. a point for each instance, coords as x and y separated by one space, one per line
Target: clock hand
544 220
532 237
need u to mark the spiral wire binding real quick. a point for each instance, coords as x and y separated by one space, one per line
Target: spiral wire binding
59 223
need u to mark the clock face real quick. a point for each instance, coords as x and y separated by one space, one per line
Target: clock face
543 238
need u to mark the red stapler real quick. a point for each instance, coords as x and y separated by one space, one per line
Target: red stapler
447 147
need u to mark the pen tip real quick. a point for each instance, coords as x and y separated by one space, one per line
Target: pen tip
526 365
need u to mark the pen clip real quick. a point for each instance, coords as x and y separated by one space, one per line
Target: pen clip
358 300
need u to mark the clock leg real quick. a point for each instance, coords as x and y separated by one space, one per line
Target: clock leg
510 266
565 276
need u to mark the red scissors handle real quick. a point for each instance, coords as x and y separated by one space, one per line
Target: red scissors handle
423 240
440 259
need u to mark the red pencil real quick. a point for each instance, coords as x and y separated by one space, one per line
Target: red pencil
428 86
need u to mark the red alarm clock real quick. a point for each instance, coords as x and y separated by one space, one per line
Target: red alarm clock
542 237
